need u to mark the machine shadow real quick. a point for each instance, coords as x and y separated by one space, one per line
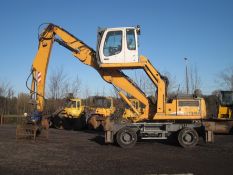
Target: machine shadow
99 139
98 136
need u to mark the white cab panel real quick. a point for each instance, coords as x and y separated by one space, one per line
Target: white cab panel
119 45
131 49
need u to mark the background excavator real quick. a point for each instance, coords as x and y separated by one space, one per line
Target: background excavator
225 106
129 114
98 108
117 50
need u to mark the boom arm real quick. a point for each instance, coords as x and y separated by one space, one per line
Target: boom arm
40 64
85 54
158 80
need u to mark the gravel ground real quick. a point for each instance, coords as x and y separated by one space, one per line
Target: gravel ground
84 152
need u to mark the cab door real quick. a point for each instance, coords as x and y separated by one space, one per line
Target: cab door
131 49
112 49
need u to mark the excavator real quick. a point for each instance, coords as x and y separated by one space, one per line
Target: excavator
225 106
117 50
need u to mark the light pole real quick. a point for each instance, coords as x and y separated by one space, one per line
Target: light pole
186 75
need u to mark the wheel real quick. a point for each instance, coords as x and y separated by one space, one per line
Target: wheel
188 137
126 137
57 122
66 122
79 123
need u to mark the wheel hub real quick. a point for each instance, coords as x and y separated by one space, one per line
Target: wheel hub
126 137
188 138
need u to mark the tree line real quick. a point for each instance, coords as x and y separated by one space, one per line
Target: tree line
60 87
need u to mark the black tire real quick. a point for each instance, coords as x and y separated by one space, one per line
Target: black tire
67 123
126 137
188 137
78 124
57 122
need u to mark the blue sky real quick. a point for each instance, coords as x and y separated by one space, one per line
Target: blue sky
200 30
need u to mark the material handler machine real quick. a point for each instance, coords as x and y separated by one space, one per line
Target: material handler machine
117 50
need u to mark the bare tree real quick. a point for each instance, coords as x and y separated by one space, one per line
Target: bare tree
148 87
113 92
6 97
192 79
76 86
60 87
225 78
22 103
195 80
103 91
97 92
56 83
5 88
72 87
144 83
172 86
216 92
140 79
86 92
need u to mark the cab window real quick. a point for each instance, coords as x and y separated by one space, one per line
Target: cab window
78 104
71 104
113 43
227 98
131 42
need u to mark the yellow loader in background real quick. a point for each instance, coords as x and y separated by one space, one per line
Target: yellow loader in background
225 106
99 108
71 116
129 114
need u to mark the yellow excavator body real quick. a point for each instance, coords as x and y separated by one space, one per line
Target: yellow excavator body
117 50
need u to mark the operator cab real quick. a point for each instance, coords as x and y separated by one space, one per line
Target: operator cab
225 108
226 98
73 103
118 45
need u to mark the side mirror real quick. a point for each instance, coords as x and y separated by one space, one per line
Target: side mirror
138 29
